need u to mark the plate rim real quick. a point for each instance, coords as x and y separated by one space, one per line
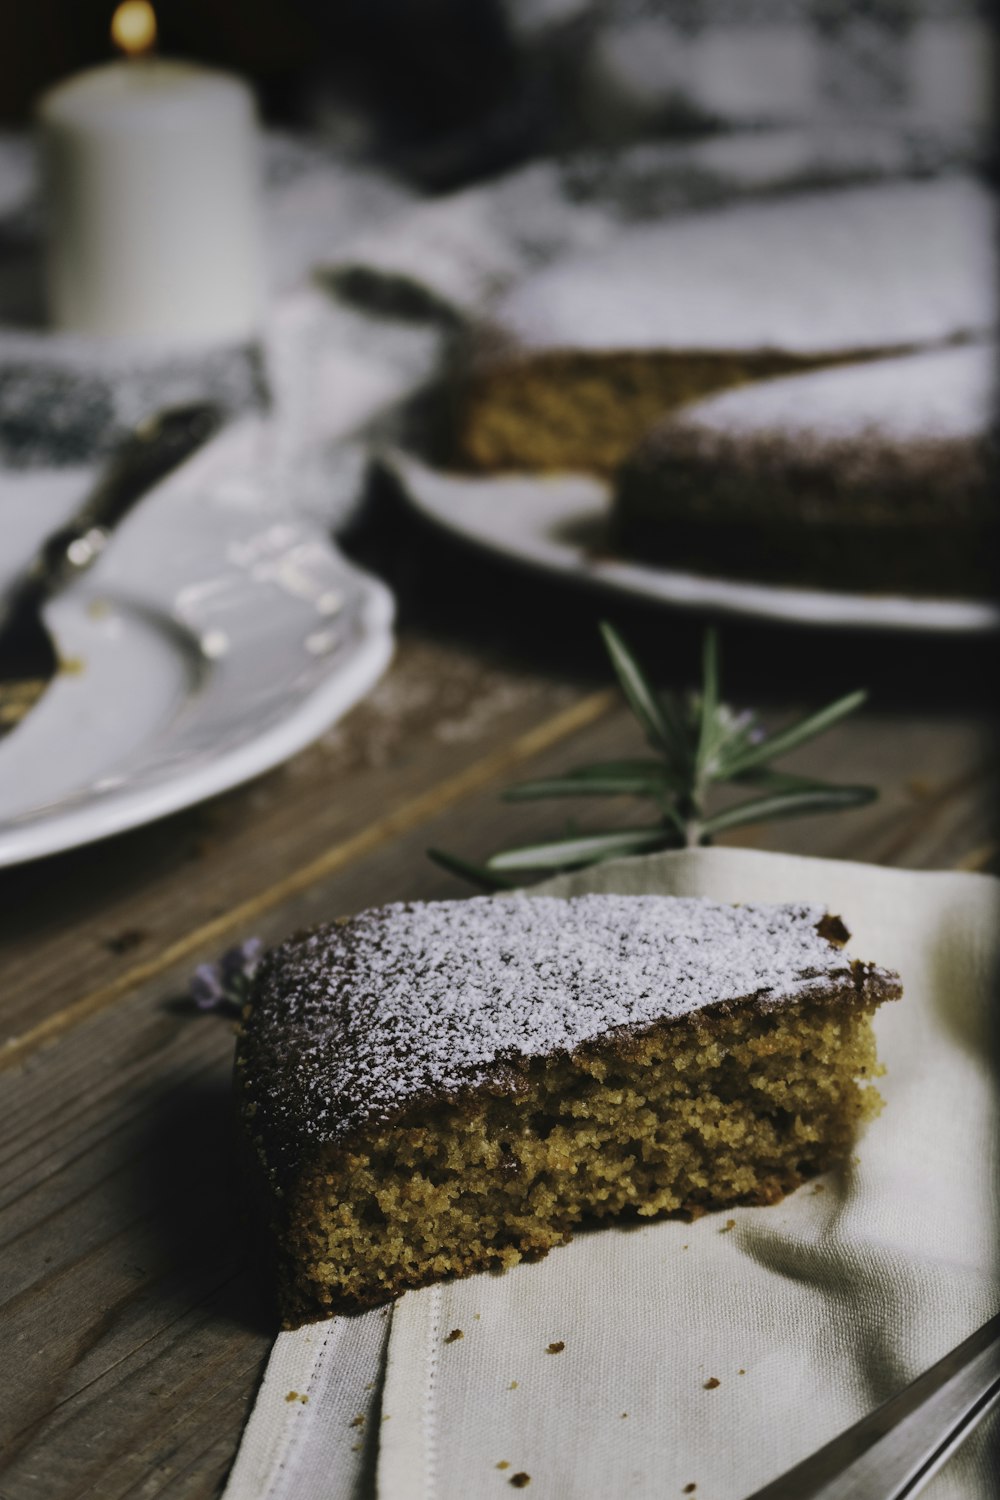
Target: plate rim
777 603
347 683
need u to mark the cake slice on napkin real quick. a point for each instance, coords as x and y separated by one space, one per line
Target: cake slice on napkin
434 1089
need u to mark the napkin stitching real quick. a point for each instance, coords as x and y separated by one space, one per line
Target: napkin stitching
299 1410
430 1426
422 1317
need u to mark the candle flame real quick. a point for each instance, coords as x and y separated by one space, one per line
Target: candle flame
133 27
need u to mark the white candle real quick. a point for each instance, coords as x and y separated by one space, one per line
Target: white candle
151 171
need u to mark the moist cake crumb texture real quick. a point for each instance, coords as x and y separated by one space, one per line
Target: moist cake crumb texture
436 1088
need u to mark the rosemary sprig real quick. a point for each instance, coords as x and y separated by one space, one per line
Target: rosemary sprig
699 742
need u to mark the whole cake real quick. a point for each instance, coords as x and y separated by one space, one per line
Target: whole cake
876 477
433 1089
585 355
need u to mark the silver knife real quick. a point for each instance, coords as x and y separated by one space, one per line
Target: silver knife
893 1452
28 657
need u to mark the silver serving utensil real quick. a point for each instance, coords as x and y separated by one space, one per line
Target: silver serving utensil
28 657
893 1452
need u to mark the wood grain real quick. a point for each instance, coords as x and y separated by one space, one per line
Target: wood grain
93 922
211 935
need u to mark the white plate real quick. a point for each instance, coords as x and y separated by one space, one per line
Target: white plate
558 523
219 635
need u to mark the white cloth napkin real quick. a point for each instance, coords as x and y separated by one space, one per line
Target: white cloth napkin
807 1314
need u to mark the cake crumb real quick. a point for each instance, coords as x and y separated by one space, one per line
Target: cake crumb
477 1316
356 1447
503 1464
556 1348
624 1415
357 1421
819 1187
711 1383
727 1226
519 1480
741 1372
512 1386
454 1336
292 1396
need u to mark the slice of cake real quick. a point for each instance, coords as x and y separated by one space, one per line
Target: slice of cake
587 354
435 1089
875 477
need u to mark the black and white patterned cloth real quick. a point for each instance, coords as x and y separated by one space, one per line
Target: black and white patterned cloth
754 62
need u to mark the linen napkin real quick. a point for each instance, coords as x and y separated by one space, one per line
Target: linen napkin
700 1358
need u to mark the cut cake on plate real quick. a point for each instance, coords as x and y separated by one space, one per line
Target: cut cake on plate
874 477
582 357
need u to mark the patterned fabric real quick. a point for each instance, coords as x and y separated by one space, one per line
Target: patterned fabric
764 61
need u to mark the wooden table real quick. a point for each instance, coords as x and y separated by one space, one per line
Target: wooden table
134 1332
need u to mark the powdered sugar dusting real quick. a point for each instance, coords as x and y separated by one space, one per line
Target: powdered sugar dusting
863 268
936 395
353 1022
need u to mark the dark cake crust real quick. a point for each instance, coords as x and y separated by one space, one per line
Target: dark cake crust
870 513
326 1050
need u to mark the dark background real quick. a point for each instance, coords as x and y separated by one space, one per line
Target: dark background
403 72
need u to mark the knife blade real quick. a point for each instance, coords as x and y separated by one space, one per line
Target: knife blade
896 1449
28 656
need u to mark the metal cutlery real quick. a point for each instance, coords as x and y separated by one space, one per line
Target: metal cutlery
28 656
893 1452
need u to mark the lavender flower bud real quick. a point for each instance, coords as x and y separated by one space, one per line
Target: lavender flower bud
206 987
238 965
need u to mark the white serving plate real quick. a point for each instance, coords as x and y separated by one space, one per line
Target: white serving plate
557 522
219 634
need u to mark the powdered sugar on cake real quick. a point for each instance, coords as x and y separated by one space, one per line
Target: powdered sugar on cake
863 268
351 1023
941 395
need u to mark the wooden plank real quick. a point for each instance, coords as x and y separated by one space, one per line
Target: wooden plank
935 779
94 920
122 1260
